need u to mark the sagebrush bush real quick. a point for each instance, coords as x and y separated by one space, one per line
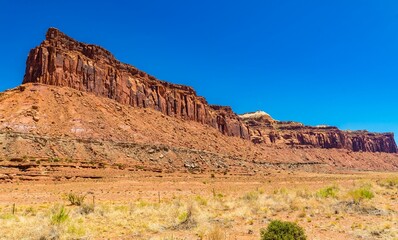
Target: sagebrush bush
251 196
75 199
86 208
328 192
200 200
59 216
360 194
279 230
389 183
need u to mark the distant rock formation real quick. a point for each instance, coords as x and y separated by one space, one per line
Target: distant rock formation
264 129
62 61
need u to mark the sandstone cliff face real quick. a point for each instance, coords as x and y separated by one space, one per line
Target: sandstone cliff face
62 61
264 129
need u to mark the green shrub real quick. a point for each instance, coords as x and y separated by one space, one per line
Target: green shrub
328 192
184 216
60 216
75 199
361 194
200 200
279 230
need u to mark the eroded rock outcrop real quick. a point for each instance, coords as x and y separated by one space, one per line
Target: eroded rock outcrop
62 61
264 129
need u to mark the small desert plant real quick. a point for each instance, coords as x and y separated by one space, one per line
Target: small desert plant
328 192
76 230
54 159
215 234
185 219
7 216
59 216
278 230
281 191
184 216
86 208
304 194
251 196
217 195
200 200
30 211
361 194
389 183
75 199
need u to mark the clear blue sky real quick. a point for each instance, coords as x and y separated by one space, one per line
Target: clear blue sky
317 62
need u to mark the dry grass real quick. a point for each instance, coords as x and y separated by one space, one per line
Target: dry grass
365 210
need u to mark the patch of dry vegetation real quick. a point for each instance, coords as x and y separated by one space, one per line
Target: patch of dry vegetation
362 210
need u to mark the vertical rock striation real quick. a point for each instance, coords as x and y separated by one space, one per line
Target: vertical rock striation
264 129
62 61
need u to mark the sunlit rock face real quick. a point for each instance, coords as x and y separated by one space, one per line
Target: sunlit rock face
264 129
62 61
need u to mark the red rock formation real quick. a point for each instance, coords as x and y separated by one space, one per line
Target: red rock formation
264 129
63 61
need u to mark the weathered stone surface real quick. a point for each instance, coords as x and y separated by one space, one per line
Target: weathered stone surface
62 61
264 129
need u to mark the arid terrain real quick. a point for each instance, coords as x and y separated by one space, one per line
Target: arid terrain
167 178
92 148
187 206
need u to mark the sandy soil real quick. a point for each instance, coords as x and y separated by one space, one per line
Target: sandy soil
286 196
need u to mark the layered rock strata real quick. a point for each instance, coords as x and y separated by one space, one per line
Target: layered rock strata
264 129
62 61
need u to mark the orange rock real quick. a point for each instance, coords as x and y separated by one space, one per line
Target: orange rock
264 129
62 61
